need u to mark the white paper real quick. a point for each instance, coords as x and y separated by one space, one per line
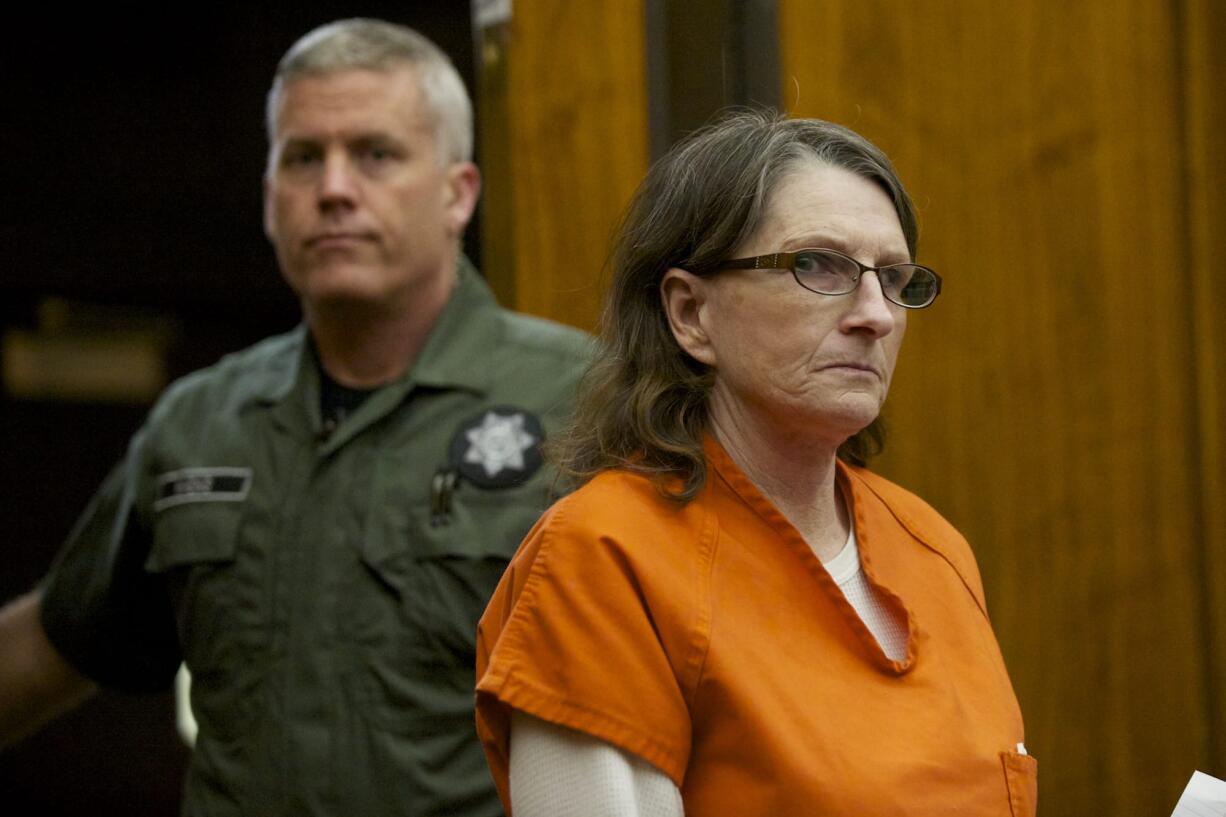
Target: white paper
1205 796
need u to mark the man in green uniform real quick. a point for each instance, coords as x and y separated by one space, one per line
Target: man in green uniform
314 524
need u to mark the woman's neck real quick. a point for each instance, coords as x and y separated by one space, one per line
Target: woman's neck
793 469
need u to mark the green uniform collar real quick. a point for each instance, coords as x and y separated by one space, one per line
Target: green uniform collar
457 352
455 356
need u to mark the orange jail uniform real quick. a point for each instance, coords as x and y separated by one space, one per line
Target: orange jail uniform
709 640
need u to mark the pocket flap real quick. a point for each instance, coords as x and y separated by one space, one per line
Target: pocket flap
478 523
192 533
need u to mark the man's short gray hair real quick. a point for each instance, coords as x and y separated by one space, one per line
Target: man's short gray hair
376 45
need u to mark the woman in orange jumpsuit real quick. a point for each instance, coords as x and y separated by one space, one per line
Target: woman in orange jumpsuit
732 616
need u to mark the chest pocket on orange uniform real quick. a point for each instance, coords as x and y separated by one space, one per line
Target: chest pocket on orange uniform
1022 777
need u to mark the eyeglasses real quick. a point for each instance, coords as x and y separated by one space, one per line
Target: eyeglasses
829 272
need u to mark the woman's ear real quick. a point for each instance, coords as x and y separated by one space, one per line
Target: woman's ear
684 296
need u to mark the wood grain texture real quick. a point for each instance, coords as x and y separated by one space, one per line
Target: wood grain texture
1052 403
564 113
1204 71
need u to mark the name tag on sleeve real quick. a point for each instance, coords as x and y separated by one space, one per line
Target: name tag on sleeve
205 484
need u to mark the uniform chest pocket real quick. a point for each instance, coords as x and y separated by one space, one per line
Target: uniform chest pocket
440 573
478 524
1022 777
194 533
195 547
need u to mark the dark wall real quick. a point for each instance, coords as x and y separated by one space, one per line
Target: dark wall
133 145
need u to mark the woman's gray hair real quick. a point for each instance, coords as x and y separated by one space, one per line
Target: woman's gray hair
710 193
376 45
643 403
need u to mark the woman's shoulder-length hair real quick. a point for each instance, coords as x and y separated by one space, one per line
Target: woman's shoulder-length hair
642 404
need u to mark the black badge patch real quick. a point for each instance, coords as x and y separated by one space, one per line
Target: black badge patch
209 484
498 448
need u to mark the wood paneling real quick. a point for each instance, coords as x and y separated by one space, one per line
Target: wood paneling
565 143
1054 403
1205 94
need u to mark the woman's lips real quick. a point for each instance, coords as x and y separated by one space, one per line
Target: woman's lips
854 369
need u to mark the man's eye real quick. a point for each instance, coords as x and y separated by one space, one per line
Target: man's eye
299 159
377 154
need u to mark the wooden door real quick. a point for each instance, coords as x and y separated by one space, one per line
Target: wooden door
1062 404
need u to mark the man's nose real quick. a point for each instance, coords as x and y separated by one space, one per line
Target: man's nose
337 183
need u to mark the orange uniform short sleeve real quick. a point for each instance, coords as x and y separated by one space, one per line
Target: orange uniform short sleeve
573 634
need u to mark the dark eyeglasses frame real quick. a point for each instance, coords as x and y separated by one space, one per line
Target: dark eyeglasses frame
787 261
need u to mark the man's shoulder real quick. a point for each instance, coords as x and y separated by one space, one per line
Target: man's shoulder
259 371
507 332
534 362
528 334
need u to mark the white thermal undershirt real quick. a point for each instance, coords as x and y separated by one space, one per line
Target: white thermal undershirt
889 629
560 772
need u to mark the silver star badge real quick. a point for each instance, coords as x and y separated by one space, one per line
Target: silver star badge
499 443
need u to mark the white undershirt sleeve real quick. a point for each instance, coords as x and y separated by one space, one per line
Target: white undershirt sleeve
561 772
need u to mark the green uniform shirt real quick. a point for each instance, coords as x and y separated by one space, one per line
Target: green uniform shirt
323 586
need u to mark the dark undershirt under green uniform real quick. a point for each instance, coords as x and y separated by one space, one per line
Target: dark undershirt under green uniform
322 581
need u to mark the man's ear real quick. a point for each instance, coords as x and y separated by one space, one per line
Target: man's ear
463 188
684 296
268 225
